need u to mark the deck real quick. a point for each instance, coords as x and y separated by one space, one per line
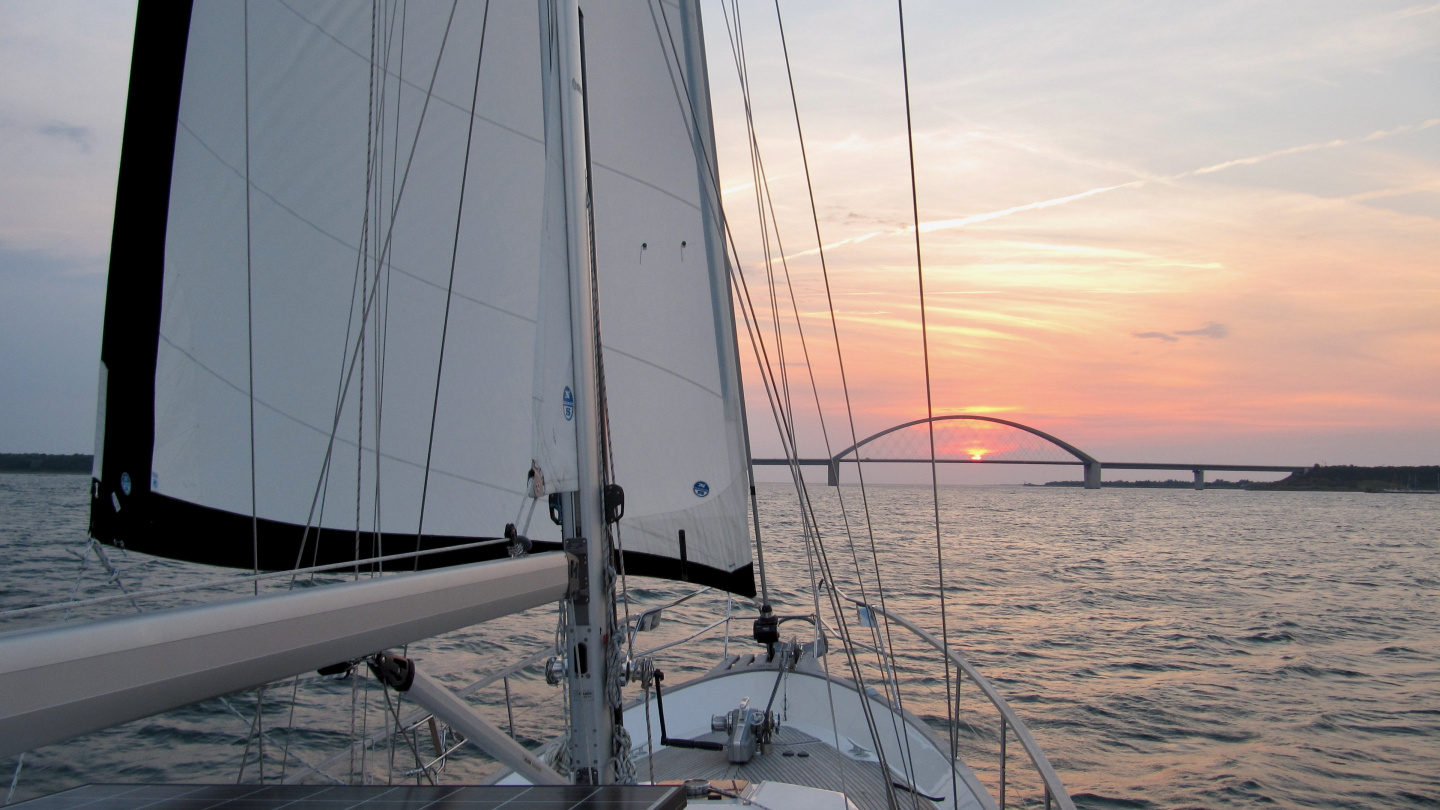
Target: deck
794 757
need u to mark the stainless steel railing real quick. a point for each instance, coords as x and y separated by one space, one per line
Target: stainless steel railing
1009 721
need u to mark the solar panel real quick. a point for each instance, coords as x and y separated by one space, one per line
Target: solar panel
357 797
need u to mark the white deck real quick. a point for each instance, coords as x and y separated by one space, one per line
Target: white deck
804 703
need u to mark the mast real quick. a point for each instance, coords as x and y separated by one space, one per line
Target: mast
589 630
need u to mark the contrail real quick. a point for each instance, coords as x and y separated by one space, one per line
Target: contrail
949 224
946 224
1309 147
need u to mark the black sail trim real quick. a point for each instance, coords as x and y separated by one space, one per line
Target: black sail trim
119 501
180 530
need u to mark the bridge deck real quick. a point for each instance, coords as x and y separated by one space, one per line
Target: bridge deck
1106 465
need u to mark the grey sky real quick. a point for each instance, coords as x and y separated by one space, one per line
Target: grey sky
62 107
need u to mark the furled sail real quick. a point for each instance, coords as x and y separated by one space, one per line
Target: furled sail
326 317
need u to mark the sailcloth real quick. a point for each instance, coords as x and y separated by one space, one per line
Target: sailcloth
318 346
670 365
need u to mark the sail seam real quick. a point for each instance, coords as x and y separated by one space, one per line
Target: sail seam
339 240
447 102
297 420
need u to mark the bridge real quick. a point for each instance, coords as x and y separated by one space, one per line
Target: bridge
1063 454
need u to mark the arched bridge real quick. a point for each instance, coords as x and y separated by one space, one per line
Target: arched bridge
1068 455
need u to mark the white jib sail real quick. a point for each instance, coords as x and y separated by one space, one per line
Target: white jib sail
670 373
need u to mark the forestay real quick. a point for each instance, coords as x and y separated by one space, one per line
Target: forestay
319 295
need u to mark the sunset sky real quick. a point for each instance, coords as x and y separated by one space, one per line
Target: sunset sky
1163 231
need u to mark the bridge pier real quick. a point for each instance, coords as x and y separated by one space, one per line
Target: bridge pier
1199 479
1092 475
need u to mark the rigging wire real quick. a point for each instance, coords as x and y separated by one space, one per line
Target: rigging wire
690 114
741 290
450 286
250 358
346 377
364 280
844 384
929 402
892 685
250 306
809 530
384 321
374 162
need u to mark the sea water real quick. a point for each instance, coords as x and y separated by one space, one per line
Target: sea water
1167 648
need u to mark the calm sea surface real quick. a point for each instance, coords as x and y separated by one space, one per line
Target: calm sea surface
1167 648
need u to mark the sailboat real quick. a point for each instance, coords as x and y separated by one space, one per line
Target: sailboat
388 281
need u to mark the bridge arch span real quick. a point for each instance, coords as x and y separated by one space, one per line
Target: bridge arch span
1092 467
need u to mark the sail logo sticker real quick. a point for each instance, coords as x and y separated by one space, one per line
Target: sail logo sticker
568 399
701 489
125 482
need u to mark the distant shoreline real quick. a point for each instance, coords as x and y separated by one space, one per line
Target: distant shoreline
47 463
1169 483
1339 478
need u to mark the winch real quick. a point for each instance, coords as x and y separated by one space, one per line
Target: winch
747 728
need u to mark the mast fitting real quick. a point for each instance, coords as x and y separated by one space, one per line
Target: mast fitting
614 503
767 630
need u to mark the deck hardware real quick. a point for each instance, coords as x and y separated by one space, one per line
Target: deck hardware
767 630
665 738
555 670
746 726
649 620
520 545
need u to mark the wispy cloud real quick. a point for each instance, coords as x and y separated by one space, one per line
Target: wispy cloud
79 136
1209 330
974 219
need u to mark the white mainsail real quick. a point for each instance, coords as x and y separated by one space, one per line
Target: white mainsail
331 139
313 222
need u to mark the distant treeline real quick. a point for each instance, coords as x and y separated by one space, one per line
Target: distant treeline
73 463
1349 478
1170 483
